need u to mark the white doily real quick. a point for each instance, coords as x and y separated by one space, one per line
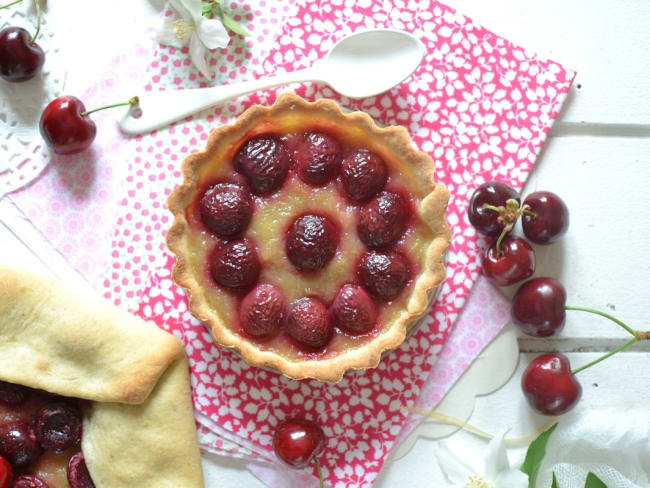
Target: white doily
21 104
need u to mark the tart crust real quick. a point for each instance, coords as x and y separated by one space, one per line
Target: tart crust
419 170
139 429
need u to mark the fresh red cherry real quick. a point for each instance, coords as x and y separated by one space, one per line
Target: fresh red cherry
353 310
383 275
264 161
29 481
493 193
20 58
58 426
363 175
6 473
383 219
18 443
514 263
551 219
318 158
298 441
64 128
308 323
549 385
235 264
311 242
262 311
226 209
11 394
78 475
538 307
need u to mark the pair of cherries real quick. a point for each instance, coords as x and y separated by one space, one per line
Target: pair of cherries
495 208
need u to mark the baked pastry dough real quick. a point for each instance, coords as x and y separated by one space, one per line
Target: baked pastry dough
233 256
139 429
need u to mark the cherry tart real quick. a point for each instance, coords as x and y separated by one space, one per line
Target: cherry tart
309 240
89 396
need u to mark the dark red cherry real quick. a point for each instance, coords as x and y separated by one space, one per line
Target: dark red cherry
11 394
515 263
18 443
29 481
549 385
264 161
551 221
363 175
6 473
63 127
308 323
262 311
226 209
383 220
493 193
20 59
353 310
235 264
538 307
58 426
311 242
318 158
78 475
298 441
383 275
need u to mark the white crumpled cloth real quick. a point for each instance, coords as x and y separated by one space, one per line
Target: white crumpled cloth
613 444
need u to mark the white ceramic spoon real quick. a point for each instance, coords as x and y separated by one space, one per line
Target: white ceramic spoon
359 65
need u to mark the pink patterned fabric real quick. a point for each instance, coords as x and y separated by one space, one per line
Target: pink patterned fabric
481 106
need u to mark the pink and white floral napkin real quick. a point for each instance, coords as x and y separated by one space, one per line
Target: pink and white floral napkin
479 105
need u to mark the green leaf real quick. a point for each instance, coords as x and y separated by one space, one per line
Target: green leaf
234 26
594 481
535 454
206 8
555 484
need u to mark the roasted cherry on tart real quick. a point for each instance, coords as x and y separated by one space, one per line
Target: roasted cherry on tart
309 239
40 437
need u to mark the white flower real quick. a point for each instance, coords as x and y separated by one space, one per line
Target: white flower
464 468
190 27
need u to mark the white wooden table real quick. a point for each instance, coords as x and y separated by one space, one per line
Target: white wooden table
598 160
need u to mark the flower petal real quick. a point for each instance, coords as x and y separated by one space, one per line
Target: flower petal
185 10
197 53
496 459
212 33
453 468
512 478
165 33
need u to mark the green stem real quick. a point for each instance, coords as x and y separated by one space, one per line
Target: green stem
503 234
606 315
37 6
10 4
530 213
132 101
320 473
605 356
487 206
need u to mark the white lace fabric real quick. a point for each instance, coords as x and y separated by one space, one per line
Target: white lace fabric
21 104
614 445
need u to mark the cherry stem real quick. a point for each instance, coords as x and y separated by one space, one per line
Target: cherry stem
37 6
132 101
320 473
605 356
607 316
487 206
501 236
528 212
10 4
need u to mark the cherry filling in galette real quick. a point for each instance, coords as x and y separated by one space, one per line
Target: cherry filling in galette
40 439
309 240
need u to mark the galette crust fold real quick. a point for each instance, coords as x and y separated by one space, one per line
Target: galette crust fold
139 430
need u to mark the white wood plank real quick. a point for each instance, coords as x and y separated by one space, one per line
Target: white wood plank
604 41
604 259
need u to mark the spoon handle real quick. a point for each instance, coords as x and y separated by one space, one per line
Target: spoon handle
160 108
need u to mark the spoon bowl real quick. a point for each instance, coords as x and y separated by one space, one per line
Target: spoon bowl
360 65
